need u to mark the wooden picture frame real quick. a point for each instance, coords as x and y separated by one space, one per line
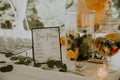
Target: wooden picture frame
46 44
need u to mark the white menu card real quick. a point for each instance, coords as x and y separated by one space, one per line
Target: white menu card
46 44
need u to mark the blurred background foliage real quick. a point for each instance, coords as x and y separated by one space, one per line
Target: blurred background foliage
116 6
7 16
31 15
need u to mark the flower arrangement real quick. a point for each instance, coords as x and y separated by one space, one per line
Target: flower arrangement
79 47
116 7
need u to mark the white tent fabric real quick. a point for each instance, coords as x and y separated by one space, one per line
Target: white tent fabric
51 12
16 40
20 6
19 9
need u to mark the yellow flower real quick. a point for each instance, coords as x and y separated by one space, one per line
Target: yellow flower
70 54
112 36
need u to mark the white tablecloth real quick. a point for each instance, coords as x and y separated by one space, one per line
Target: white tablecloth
21 72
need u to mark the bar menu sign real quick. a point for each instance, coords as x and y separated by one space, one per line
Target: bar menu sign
46 44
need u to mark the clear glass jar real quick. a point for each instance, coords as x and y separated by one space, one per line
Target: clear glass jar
86 23
107 41
107 37
79 40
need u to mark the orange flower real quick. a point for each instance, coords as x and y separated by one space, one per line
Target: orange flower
70 54
76 53
62 40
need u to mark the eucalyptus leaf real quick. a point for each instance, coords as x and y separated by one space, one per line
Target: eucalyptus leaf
14 58
58 64
64 68
69 4
37 65
19 62
2 61
8 54
83 49
22 59
50 63
3 69
7 68
26 63
29 60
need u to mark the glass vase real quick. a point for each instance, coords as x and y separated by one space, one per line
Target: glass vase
79 39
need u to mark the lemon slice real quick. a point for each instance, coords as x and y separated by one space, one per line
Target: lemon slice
97 41
112 36
76 53
70 54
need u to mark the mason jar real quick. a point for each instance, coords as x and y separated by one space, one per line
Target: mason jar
79 39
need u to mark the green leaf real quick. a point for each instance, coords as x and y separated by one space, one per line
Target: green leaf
3 69
64 68
19 62
20 56
70 4
8 54
50 63
26 63
2 61
83 49
14 58
58 64
37 65
29 60
22 59
7 68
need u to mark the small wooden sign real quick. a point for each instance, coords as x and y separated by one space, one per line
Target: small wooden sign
46 44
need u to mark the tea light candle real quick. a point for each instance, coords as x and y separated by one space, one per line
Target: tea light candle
102 72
